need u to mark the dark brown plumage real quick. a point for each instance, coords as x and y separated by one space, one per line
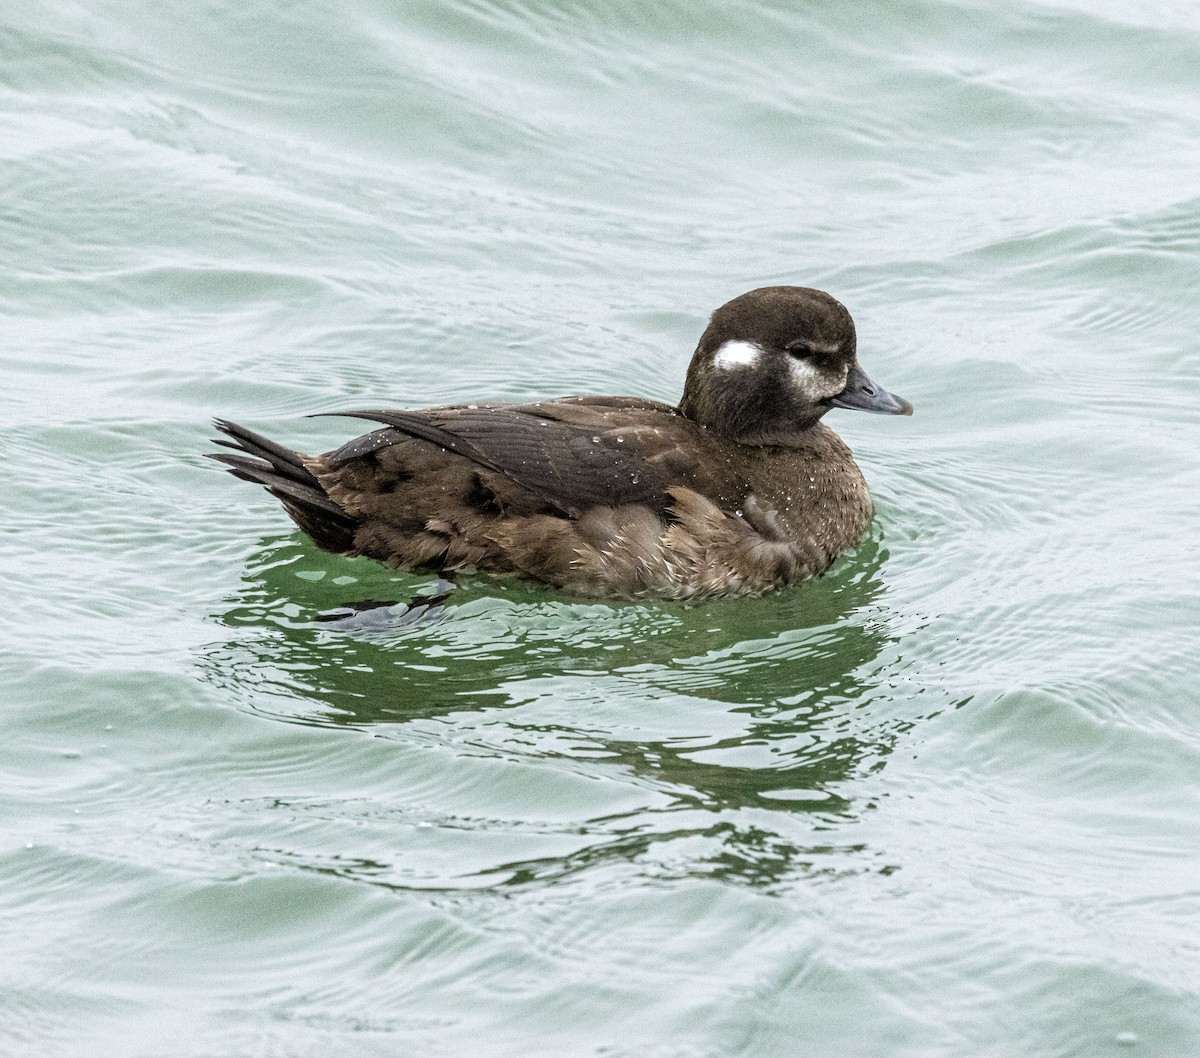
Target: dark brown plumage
739 490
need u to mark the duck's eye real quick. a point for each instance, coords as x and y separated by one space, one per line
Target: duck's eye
798 350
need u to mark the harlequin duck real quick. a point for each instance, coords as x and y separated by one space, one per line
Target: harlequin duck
739 490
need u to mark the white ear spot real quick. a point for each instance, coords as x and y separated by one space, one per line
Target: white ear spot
736 353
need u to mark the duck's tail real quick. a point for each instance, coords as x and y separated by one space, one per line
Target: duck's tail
286 477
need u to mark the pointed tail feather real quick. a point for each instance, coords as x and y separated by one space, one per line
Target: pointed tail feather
285 476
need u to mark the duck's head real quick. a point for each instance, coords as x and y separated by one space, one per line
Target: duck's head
773 361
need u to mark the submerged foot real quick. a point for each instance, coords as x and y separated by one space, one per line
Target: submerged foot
378 614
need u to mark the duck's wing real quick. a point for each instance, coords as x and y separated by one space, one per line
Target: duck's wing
573 454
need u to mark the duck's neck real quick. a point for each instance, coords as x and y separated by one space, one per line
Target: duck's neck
756 433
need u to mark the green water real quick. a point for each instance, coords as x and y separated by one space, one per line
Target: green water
943 802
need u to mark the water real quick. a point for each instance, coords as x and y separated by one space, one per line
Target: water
941 802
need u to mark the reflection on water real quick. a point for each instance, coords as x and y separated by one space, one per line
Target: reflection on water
738 727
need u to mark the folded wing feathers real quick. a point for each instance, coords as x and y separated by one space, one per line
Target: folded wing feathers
568 466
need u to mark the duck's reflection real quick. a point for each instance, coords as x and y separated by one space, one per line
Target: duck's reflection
740 715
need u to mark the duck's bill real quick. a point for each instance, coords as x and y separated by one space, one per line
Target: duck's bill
864 395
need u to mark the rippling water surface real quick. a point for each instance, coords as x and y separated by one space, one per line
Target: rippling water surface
942 802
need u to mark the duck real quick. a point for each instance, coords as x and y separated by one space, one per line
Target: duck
740 489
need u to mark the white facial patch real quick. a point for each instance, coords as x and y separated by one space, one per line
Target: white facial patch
812 383
736 353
